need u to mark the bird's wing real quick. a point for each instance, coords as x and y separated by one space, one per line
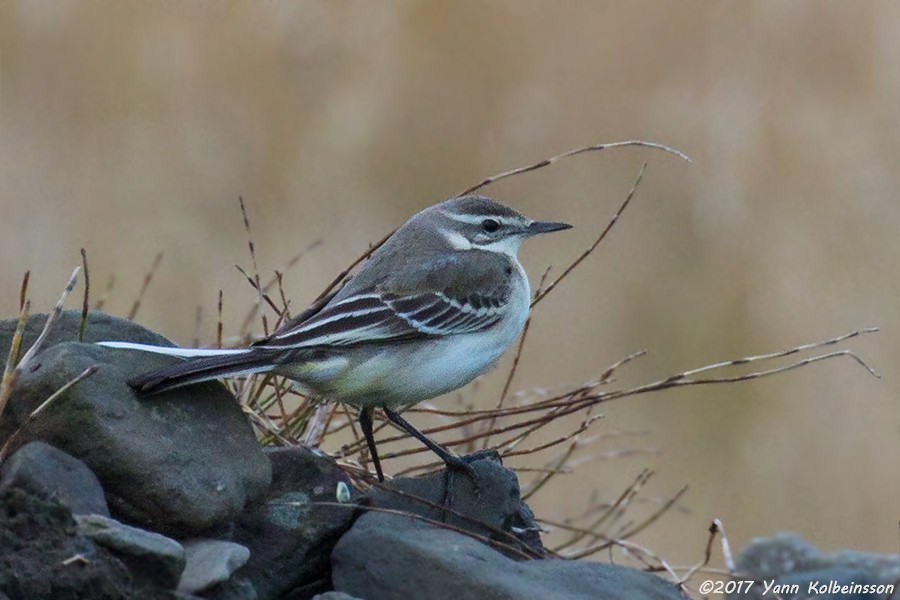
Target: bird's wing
376 316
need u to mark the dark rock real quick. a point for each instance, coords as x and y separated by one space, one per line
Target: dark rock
178 462
152 556
99 327
233 589
49 472
334 596
494 510
390 557
289 536
787 559
209 562
43 556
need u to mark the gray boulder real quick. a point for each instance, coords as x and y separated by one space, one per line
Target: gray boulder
290 537
209 562
149 555
792 563
178 462
488 506
49 472
393 557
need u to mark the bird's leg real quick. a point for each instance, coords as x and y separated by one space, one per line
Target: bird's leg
453 462
365 423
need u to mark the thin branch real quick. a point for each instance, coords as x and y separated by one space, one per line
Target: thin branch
51 319
784 353
10 374
600 238
23 290
515 364
549 161
87 291
81 376
148 277
707 555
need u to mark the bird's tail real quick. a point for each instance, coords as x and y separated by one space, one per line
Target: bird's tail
201 365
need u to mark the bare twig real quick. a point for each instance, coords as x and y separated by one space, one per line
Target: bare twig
81 376
600 238
549 161
148 277
23 290
707 555
87 291
515 365
254 308
51 319
101 301
219 322
10 374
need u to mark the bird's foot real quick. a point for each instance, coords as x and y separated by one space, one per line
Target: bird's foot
464 464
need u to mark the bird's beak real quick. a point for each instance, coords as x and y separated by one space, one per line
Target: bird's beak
536 227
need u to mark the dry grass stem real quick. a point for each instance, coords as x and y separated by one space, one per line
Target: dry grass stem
148 277
23 290
81 376
101 301
51 319
87 291
714 529
10 374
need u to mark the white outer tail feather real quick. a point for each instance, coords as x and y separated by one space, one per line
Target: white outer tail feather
172 351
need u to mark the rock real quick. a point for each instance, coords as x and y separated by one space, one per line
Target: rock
334 596
100 326
495 510
233 589
208 562
786 559
178 462
152 556
42 555
48 472
389 557
289 537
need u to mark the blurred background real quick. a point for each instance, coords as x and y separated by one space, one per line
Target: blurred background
131 128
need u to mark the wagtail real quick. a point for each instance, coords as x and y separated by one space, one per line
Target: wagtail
431 309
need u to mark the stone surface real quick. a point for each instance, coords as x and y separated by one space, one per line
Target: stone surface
335 596
178 462
209 562
290 538
495 510
787 559
152 556
42 555
392 557
100 326
49 472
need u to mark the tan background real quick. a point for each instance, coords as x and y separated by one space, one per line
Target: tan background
131 128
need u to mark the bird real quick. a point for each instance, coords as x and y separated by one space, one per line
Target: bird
432 308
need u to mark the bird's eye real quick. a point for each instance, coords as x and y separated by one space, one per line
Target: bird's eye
490 225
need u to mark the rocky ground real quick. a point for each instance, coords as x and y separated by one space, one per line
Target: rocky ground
106 494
